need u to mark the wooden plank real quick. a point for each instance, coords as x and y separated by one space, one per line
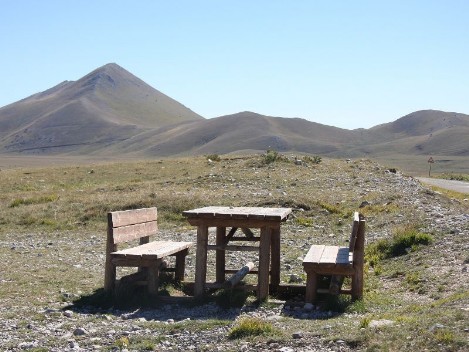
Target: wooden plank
264 262
133 232
245 239
153 250
275 258
353 235
233 271
201 260
314 254
343 256
254 213
358 261
130 217
229 222
239 275
329 255
249 234
180 264
311 286
220 254
109 267
336 284
230 234
233 248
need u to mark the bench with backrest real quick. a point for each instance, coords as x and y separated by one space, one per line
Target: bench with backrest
139 224
337 262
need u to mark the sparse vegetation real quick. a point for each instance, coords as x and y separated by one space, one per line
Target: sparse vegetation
414 262
272 156
456 177
248 327
213 157
404 240
314 160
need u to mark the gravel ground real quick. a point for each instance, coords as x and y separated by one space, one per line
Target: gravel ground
51 322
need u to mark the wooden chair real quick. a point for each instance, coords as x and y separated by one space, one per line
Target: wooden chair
139 224
337 262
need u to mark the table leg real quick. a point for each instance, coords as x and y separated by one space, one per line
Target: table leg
201 260
275 259
264 263
220 255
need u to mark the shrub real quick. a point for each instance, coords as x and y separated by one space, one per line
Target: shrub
272 156
213 157
250 327
404 239
317 159
35 200
457 177
314 160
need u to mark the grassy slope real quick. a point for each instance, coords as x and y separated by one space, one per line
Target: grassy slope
53 218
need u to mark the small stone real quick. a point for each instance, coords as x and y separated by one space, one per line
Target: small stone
380 323
364 204
74 345
80 332
286 349
308 306
68 313
297 335
437 326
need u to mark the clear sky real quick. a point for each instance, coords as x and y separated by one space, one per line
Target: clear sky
348 63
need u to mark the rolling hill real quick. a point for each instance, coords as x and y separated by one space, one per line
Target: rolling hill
110 112
105 106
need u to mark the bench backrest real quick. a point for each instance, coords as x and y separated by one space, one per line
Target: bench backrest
128 225
357 237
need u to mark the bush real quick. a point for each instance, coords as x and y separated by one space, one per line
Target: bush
404 239
314 160
250 327
272 156
213 157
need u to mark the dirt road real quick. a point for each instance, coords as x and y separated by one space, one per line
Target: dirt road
458 186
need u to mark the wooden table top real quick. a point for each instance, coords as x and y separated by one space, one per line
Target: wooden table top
252 213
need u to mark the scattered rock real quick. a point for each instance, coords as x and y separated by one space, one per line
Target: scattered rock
380 323
80 332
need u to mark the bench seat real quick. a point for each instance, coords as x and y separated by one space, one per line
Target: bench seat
337 262
139 224
321 258
152 250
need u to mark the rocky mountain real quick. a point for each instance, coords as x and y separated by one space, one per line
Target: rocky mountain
112 112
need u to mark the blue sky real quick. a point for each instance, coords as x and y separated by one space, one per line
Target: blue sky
348 64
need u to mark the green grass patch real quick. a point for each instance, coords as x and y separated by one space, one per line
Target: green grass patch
456 177
248 327
404 240
34 200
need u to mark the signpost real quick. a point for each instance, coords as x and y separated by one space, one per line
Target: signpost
430 162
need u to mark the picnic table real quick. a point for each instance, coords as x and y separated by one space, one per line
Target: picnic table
268 220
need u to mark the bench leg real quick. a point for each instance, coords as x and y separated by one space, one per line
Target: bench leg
357 286
180 265
220 256
109 276
311 286
153 277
